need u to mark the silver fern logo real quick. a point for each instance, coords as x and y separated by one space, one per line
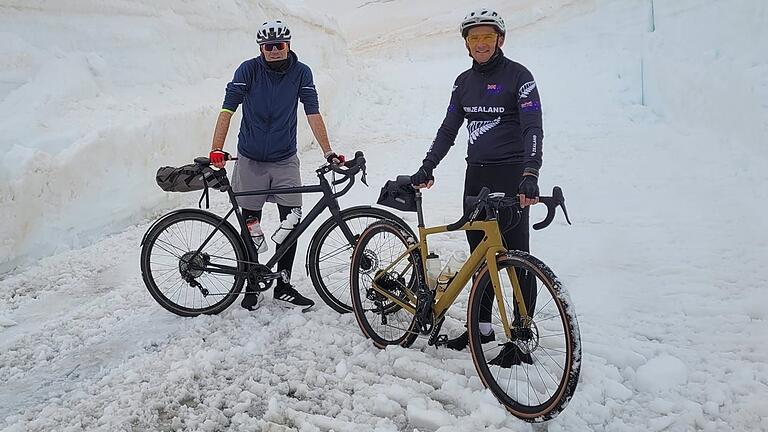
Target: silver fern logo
526 89
477 128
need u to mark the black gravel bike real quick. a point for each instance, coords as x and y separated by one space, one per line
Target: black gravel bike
195 262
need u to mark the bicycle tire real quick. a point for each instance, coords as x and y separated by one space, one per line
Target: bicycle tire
374 312
331 281
158 270
546 351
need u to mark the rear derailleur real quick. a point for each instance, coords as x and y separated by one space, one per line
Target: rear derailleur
191 266
394 285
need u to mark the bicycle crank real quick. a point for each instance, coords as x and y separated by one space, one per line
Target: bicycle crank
424 317
435 338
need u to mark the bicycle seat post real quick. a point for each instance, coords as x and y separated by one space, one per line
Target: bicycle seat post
419 211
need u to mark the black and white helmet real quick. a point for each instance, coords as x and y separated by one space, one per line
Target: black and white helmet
480 17
273 31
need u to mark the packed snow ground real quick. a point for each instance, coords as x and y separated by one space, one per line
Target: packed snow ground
655 128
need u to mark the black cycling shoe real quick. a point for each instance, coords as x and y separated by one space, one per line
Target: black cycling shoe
461 342
250 299
287 294
511 355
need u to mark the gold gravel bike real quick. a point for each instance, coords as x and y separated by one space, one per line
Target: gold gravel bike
531 357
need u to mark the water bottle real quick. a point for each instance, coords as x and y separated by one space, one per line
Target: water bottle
257 235
450 269
287 225
433 270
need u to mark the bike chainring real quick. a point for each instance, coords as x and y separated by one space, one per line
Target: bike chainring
425 299
260 278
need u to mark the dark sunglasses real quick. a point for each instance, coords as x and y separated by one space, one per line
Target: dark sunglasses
269 46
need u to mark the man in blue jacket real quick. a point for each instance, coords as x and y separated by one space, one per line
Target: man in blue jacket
270 87
499 99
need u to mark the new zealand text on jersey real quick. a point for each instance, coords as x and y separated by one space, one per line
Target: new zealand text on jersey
484 109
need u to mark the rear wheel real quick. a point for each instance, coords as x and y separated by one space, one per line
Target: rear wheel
330 253
534 371
180 278
376 256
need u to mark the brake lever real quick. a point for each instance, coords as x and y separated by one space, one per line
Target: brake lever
557 193
556 200
363 178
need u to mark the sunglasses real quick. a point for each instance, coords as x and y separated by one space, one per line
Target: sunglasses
483 37
269 46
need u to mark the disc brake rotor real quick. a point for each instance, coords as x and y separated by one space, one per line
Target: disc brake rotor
369 262
527 338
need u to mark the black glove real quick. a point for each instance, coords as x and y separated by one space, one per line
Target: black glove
529 186
423 175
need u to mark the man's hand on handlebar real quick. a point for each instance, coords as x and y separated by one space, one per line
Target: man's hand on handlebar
528 190
334 159
219 158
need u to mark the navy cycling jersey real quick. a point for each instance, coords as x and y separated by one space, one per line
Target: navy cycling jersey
501 103
270 99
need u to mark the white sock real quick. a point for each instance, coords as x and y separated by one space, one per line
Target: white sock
485 328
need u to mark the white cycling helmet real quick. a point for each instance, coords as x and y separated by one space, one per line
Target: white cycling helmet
273 31
480 17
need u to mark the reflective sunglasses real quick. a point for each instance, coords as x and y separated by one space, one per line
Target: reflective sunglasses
482 37
269 46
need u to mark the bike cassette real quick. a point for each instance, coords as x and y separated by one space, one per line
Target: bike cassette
393 284
192 264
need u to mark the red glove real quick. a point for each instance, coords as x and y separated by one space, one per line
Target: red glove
218 158
333 158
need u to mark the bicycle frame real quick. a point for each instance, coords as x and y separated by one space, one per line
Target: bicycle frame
486 252
329 200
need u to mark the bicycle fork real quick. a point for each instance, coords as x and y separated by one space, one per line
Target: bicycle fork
517 291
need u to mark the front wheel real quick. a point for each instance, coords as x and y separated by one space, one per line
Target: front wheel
185 281
534 368
330 252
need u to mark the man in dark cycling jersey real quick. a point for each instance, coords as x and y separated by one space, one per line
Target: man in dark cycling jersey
270 87
500 100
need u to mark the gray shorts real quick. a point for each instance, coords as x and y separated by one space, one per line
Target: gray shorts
253 175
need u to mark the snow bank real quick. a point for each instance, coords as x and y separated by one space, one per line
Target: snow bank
669 284
704 64
95 96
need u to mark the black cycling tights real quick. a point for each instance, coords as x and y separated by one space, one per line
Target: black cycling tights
286 262
502 178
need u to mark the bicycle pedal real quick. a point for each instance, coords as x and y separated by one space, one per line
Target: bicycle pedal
285 276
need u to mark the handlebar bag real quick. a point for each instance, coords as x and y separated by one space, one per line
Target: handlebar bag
187 178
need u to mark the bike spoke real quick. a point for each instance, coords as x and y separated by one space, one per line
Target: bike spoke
545 343
335 252
175 267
